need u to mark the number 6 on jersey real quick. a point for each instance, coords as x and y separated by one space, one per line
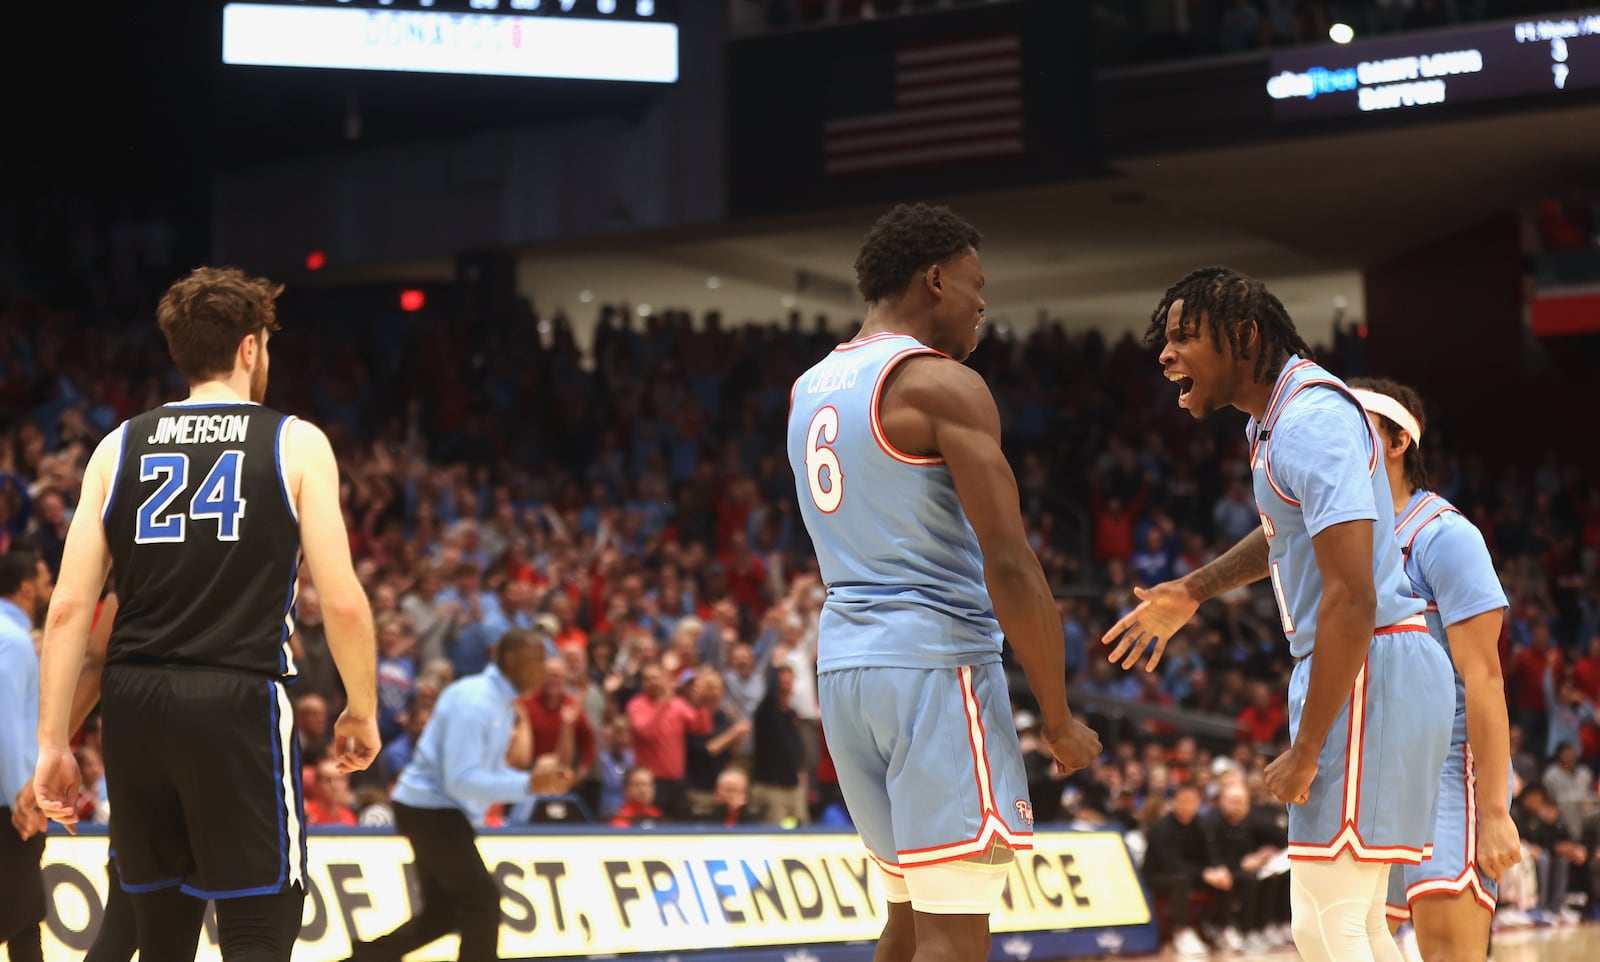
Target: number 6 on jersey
824 430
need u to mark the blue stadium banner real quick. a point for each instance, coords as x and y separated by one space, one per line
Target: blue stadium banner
990 96
755 896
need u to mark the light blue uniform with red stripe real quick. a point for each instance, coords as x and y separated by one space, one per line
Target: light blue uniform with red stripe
914 701
1314 460
1449 567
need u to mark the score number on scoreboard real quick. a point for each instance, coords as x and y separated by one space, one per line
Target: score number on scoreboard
1459 66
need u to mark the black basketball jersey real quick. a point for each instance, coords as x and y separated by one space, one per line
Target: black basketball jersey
204 540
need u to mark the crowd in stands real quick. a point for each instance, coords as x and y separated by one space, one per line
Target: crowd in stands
632 504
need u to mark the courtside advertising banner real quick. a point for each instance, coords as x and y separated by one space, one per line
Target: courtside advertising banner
797 896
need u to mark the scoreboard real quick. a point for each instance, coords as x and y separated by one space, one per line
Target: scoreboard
611 40
1551 56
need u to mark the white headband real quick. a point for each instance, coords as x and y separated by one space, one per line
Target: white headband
1393 410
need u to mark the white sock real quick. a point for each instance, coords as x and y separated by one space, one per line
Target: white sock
1338 910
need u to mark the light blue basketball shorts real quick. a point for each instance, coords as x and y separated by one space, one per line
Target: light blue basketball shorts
1376 792
1453 866
928 761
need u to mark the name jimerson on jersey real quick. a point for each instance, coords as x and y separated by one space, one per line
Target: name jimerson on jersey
201 429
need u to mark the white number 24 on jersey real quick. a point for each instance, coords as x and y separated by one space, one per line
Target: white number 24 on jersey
826 491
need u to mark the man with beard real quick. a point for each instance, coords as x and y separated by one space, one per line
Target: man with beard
204 506
1371 700
24 592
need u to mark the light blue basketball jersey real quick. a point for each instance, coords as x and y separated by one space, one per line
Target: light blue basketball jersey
1314 463
1447 563
900 560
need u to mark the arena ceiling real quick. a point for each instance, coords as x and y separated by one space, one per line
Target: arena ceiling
1306 214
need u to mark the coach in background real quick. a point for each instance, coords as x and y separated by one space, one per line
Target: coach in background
24 593
458 771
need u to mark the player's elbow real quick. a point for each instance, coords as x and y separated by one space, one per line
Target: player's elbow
346 606
65 607
1008 564
1352 596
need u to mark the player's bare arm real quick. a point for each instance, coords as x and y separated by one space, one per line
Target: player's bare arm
314 478
85 562
87 694
934 405
1346 620
1165 608
1475 644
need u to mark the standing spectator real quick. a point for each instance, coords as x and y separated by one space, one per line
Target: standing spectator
431 614
780 777
25 583
615 761
660 722
457 773
560 727
1262 721
710 754
397 673
1177 865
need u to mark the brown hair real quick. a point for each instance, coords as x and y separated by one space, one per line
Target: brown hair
205 315
1416 469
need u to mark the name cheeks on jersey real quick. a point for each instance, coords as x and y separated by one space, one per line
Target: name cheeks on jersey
833 375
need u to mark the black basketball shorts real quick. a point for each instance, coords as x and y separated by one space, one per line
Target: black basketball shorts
203 774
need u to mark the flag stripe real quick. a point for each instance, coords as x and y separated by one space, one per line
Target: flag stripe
953 101
913 158
904 118
901 138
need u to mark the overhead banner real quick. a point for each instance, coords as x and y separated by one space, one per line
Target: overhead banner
647 895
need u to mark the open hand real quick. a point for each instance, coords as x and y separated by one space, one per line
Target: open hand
1163 610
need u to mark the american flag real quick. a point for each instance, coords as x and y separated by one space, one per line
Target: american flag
958 100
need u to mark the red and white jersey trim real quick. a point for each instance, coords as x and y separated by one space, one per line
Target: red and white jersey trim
993 828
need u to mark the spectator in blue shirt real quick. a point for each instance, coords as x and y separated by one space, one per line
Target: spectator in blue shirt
24 593
457 772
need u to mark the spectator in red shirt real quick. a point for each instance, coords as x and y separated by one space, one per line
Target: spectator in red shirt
660 721
559 725
639 806
1586 671
1528 664
1113 525
1262 720
328 795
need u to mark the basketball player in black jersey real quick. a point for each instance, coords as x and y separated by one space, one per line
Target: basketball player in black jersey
203 507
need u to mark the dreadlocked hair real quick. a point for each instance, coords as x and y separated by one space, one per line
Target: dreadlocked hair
1415 467
1227 300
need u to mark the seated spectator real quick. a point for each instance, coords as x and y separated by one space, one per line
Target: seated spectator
1178 865
328 797
1555 852
731 802
93 807
639 801
1262 722
311 725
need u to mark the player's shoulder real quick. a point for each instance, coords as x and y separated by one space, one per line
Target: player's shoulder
1445 527
1321 413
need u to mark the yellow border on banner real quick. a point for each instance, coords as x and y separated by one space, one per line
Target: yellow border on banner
604 894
